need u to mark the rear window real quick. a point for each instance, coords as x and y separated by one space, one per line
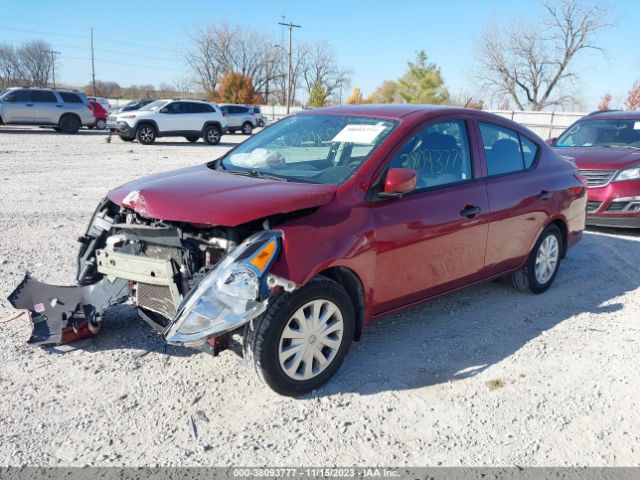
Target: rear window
70 97
506 151
43 96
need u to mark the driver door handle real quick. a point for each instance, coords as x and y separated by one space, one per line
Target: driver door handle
470 211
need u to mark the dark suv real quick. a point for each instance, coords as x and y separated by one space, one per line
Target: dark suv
65 110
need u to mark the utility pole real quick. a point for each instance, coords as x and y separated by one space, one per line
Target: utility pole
93 67
290 26
53 64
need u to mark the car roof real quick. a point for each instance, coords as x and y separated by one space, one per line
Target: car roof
614 114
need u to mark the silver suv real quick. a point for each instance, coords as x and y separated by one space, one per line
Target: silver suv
64 110
239 117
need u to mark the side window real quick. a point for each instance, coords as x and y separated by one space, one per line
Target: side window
439 153
70 97
43 96
18 96
174 107
529 151
506 151
206 108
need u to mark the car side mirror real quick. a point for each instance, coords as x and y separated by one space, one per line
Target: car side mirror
551 141
399 181
164 110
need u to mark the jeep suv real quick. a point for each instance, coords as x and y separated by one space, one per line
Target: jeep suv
65 110
239 117
191 119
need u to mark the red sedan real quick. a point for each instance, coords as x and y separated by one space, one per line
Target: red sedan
606 148
304 234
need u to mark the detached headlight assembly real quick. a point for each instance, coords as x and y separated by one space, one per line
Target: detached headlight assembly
234 293
632 173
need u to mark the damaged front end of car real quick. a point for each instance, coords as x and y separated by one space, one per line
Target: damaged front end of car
194 284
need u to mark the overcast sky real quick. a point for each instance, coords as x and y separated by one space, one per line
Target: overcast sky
139 42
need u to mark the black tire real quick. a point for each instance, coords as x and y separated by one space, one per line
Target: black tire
69 123
525 279
127 139
247 128
192 139
101 124
146 134
212 135
262 336
231 130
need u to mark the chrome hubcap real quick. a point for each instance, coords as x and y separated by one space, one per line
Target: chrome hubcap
213 135
547 259
311 339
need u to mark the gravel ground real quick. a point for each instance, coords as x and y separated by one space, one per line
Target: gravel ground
488 376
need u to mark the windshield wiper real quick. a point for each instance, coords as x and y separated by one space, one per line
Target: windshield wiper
252 172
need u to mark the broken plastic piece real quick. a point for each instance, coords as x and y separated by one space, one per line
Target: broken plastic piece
75 313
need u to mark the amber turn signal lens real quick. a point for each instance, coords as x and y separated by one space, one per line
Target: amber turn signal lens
261 259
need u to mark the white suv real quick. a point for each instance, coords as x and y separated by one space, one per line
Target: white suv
191 119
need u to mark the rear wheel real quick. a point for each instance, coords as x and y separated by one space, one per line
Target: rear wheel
146 134
247 128
542 266
192 139
101 124
212 135
69 123
299 343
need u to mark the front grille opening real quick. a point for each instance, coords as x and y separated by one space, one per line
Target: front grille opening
597 178
592 206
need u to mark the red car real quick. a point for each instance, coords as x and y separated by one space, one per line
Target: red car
606 148
327 220
100 114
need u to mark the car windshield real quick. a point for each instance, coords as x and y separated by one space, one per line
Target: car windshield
153 106
310 148
600 132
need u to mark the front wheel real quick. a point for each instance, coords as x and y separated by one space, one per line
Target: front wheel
146 134
212 135
299 343
541 268
101 124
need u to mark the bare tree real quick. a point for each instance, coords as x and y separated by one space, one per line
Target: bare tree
532 65
321 68
218 49
29 64
298 57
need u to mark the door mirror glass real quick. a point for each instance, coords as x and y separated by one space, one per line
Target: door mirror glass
399 181
164 110
551 141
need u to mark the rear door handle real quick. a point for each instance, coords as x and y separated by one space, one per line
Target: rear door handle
470 211
29 104
544 195
58 105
